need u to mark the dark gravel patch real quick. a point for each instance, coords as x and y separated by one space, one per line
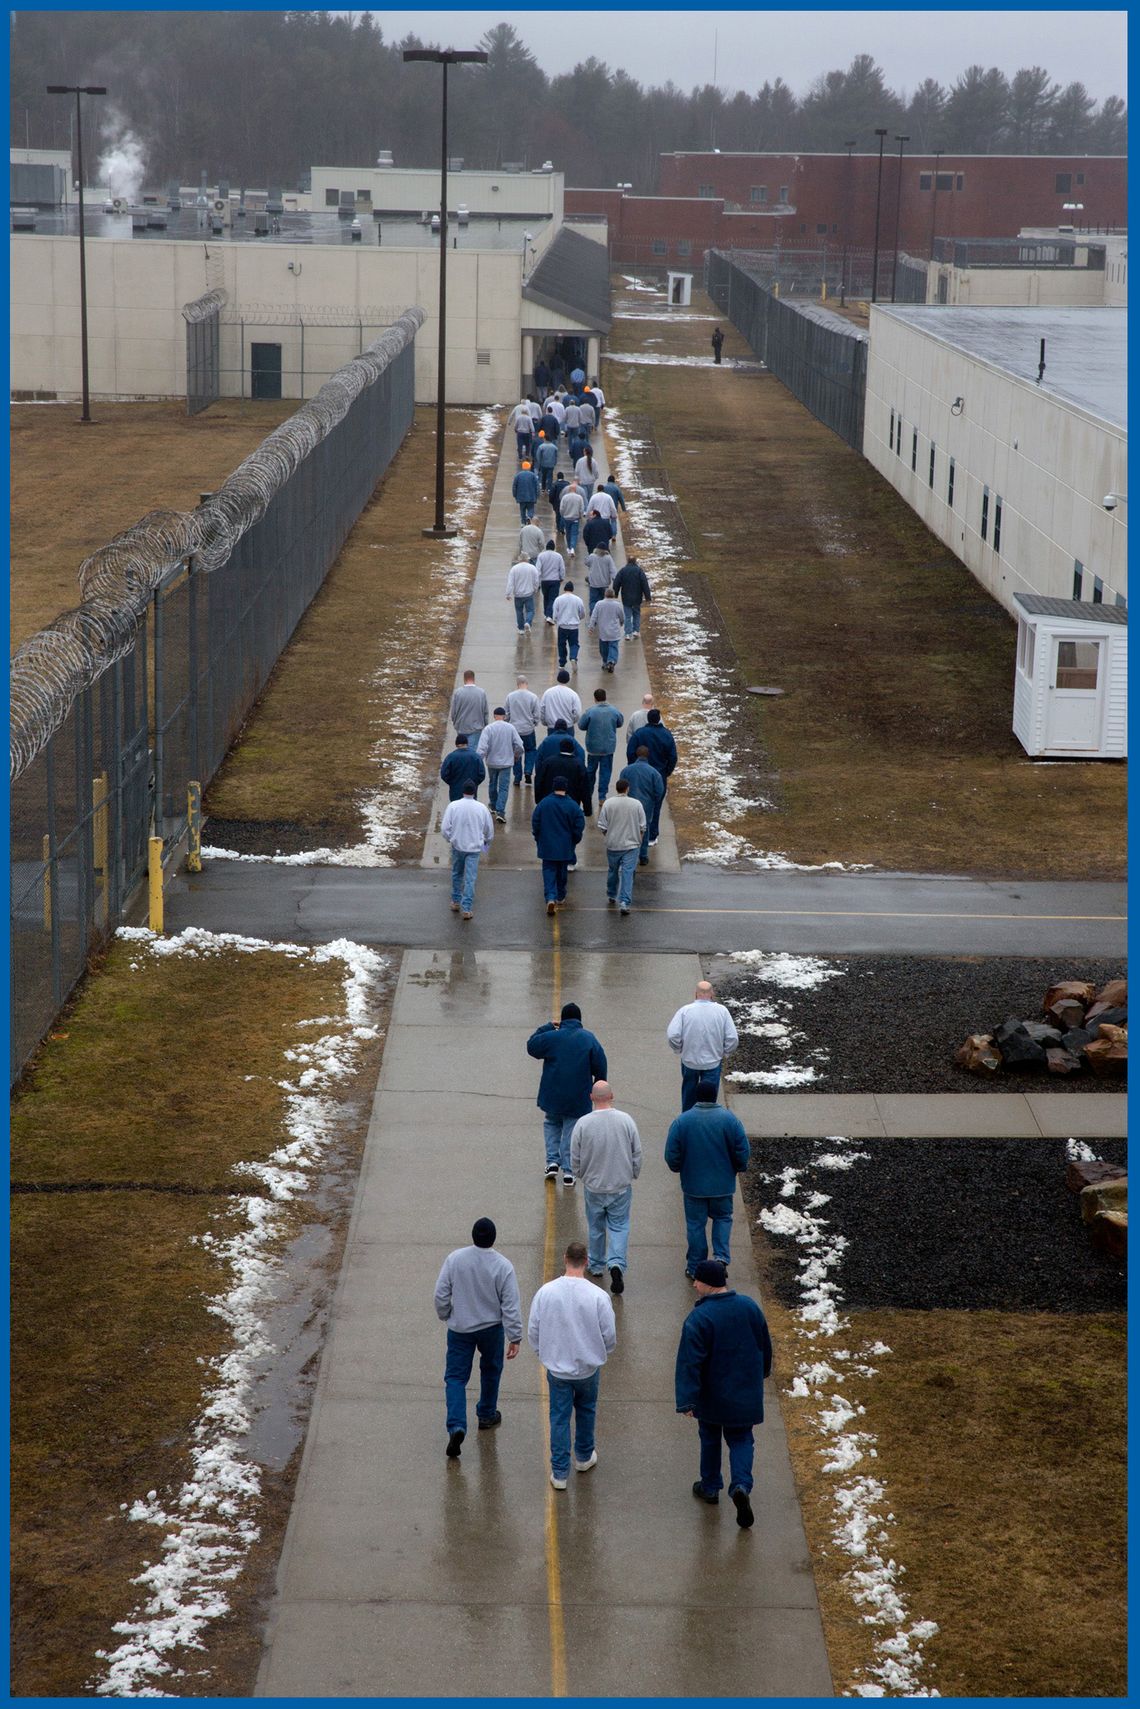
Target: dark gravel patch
275 836
893 1023
935 1224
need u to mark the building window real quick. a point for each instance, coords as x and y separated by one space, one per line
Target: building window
1080 180
1098 591
706 190
660 247
783 192
332 198
364 195
1122 602
758 193
1026 649
914 452
997 523
1063 183
834 227
898 437
950 485
821 230
925 180
803 227
946 181
891 440
932 464
959 181
985 511
684 247
1078 577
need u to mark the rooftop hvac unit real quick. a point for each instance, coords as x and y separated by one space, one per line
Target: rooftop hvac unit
138 222
156 218
435 222
116 205
513 166
455 163
261 225
23 219
356 231
463 213
385 158
273 201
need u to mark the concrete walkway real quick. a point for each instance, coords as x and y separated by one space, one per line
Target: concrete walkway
933 1115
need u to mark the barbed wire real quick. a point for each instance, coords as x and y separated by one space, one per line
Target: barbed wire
204 306
308 314
54 666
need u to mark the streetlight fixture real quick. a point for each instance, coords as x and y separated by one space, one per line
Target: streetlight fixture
938 153
79 89
445 57
898 209
846 226
881 134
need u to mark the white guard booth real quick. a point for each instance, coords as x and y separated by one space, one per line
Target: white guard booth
680 290
1070 694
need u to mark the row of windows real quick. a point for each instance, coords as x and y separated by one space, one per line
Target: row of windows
946 180
334 198
1097 586
682 248
1064 182
895 440
759 194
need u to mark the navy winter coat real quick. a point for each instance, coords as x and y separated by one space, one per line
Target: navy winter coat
551 744
572 1059
524 487
724 1356
461 766
645 784
597 531
659 741
548 424
708 1148
569 766
632 586
557 824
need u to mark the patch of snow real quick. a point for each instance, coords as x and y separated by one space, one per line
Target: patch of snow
208 1527
636 284
789 972
784 1075
1079 1152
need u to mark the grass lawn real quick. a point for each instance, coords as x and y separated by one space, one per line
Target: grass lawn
161 1077
892 742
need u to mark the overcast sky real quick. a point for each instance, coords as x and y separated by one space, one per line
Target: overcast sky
752 47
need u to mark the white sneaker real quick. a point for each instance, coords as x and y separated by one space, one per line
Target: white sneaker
526 628
587 1465
557 1483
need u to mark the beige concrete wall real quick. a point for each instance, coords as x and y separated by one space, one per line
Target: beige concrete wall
1018 287
413 190
1049 461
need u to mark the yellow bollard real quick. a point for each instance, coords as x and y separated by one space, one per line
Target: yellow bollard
99 821
154 875
776 288
823 291
47 884
194 824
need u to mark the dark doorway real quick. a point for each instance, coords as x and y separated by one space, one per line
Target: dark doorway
265 371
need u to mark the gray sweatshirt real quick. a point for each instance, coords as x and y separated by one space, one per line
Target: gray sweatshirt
608 619
703 1034
572 1327
478 1287
522 710
469 709
531 540
623 821
499 744
605 1151
637 722
600 570
559 701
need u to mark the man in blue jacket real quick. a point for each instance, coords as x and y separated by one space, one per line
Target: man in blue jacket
708 1147
524 491
462 765
557 824
647 786
661 752
572 1059
723 1357
601 724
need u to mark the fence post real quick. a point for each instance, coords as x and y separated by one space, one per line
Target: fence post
99 808
154 883
159 812
194 825
46 852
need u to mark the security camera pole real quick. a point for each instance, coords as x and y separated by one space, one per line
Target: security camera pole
898 208
445 57
77 90
881 134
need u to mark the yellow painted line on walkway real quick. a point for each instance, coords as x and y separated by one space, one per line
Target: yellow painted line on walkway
873 914
553 1564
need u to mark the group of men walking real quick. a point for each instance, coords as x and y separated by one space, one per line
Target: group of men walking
724 1352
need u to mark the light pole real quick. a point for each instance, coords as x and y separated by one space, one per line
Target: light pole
846 226
938 152
445 57
898 209
79 89
881 134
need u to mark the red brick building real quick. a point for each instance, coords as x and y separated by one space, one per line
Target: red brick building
744 200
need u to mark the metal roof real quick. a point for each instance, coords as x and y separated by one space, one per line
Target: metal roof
1086 350
1072 610
573 279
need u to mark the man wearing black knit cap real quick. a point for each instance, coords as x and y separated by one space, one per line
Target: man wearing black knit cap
477 1296
723 1358
572 1059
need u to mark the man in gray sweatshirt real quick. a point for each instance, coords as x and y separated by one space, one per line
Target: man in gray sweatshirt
477 1296
572 1329
605 1155
470 712
622 821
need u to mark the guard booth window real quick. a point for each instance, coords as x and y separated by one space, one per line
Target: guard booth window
1077 664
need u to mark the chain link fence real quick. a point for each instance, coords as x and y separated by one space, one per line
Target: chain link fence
819 357
118 707
203 350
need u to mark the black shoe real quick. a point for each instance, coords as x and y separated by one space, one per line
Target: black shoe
744 1514
490 1423
455 1444
702 1494
688 1275
617 1280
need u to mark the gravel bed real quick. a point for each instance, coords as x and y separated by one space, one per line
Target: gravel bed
871 1023
937 1224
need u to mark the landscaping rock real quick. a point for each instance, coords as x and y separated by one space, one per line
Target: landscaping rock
1114 991
1107 1058
1060 1061
1109 1233
1080 1175
1040 1033
1018 1049
1075 990
1116 1035
1077 1038
1104 1196
978 1055
1066 1012
1110 1012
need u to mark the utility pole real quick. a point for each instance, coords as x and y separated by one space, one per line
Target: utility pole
898 209
881 134
79 90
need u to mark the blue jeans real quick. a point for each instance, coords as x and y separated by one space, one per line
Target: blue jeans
524 611
697 1213
654 826
580 1396
556 1131
549 595
554 880
568 644
522 443
570 528
607 1219
526 511
632 619
600 766
464 871
586 488
740 1449
622 865
609 651
596 593
545 477
526 757
499 787
462 1345
691 1078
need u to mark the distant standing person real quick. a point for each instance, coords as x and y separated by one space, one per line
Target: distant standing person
724 1355
631 584
708 1147
702 1034
546 457
470 710
572 1329
500 746
572 1059
522 710
468 827
524 491
607 618
622 820
717 342
477 1296
557 824
462 765
605 1155
522 585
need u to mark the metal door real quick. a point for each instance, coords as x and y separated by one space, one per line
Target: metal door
265 370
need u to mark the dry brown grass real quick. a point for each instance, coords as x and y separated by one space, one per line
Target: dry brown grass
110 1290
73 487
376 652
892 743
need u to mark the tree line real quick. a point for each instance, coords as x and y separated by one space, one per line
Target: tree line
259 97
